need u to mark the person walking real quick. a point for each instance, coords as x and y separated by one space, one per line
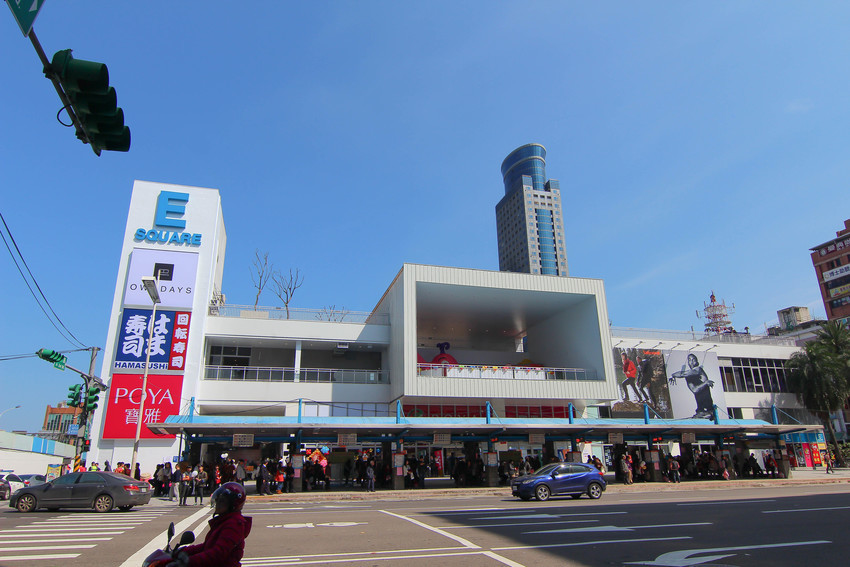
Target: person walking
828 462
370 477
185 485
176 477
200 485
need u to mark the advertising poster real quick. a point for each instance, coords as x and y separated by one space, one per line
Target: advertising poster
169 337
695 384
643 381
124 399
175 273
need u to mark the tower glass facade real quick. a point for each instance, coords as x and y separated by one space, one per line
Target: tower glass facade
529 220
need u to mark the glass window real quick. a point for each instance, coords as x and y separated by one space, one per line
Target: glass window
70 478
91 478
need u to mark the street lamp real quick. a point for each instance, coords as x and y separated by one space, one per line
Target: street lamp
150 286
10 409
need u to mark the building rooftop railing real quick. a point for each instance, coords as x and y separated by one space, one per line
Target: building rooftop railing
277 374
699 336
504 372
299 314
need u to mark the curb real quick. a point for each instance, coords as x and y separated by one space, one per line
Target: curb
436 493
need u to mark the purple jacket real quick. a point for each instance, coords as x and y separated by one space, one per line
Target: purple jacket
224 544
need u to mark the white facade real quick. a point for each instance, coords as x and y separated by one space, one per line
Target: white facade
516 340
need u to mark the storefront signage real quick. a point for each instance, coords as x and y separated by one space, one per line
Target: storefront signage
536 438
840 290
836 273
835 246
167 340
170 208
124 399
346 439
615 438
243 439
442 439
174 272
689 437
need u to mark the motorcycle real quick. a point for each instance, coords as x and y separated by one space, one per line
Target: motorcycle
162 557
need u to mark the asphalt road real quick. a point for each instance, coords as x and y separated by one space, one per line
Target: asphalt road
787 525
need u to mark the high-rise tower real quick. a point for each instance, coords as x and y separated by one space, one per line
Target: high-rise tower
529 223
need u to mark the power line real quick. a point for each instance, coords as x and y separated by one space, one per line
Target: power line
32 277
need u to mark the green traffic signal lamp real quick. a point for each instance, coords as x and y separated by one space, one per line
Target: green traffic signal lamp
95 103
92 395
53 356
74 395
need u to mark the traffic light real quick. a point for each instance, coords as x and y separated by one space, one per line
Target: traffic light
91 398
86 84
86 446
57 358
74 395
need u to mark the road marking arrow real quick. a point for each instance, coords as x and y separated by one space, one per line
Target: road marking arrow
683 558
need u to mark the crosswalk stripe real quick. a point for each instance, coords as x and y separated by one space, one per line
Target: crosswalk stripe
63 540
49 530
75 534
41 547
38 557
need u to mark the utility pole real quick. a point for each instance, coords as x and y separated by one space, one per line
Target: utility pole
86 398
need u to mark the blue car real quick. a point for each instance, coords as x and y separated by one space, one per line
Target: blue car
555 479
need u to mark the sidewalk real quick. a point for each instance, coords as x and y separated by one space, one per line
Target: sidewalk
443 488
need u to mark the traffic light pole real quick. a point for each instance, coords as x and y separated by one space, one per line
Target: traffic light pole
88 380
66 102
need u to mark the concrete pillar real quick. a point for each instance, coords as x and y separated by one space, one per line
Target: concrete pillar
491 471
548 452
653 466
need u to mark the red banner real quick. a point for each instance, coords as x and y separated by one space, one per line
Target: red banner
125 395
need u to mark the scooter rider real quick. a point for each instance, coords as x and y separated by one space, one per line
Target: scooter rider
225 542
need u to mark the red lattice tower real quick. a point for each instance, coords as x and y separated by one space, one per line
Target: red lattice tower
716 316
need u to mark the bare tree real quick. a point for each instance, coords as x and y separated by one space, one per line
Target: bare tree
261 271
331 313
284 286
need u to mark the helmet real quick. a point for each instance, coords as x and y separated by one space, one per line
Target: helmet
233 493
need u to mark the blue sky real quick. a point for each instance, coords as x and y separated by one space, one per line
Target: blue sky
699 147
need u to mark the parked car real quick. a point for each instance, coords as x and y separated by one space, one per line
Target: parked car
15 482
33 479
556 479
101 491
5 490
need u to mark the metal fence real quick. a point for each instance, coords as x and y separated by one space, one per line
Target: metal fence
505 372
271 374
728 338
297 314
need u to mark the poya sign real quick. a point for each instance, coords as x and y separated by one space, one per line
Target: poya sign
169 224
124 399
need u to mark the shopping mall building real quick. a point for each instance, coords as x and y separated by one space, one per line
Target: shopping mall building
450 360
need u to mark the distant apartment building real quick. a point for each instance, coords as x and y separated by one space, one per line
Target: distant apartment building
832 267
57 420
529 219
791 317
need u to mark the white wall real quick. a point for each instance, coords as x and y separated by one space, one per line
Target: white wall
27 462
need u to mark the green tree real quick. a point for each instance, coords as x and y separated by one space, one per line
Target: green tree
820 375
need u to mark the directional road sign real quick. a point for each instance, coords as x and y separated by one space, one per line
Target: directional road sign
25 12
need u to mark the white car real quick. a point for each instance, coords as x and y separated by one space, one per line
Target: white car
15 482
